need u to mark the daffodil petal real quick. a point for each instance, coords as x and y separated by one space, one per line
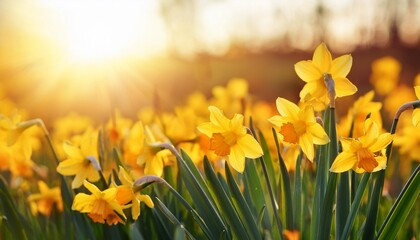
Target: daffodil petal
236 158
341 66
250 147
381 163
287 108
343 87
381 142
208 128
416 117
371 133
217 118
319 136
343 162
276 120
135 209
417 90
78 180
82 203
91 187
147 200
306 143
307 71
72 151
322 58
314 89
346 143
70 167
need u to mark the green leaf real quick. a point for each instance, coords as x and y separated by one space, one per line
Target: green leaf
328 200
223 202
172 218
201 197
286 194
401 208
297 196
343 203
268 162
355 206
254 189
242 207
13 217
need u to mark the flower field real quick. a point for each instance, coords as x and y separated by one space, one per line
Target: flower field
228 166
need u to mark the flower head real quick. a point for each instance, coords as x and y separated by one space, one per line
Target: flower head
101 206
229 138
44 201
81 161
299 126
385 75
126 194
363 154
312 72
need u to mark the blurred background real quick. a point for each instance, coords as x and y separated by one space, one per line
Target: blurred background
94 56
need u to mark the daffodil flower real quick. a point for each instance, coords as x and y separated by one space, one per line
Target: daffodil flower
101 206
229 138
126 193
312 72
363 154
44 201
82 161
299 126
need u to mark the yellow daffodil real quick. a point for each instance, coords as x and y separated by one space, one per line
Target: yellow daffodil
21 164
399 96
101 206
416 112
363 154
44 201
126 194
408 141
81 161
118 128
134 144
299 126
230 98
312 72
385 75
357 114
229 138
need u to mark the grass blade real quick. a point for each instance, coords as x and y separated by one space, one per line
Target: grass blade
401 207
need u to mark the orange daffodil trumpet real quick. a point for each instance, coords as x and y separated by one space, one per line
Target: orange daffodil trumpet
229 138
299 126
363 154
312 72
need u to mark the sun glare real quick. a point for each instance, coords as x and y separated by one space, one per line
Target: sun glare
99 32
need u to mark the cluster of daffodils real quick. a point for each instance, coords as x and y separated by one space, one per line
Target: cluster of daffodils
90 155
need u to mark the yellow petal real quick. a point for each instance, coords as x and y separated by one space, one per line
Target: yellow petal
72 151
91 187
135 209
343 87
147 200
276 120
70 167
217 118
341 66
371 133
237 124
417 90
322 58
314 89
208 128
306 143
79 179
236 158
416 117
250 147
287 108
346 143
381 142
343 162
381 163
319 136
82 203
307 71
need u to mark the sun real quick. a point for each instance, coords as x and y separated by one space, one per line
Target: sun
100 32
